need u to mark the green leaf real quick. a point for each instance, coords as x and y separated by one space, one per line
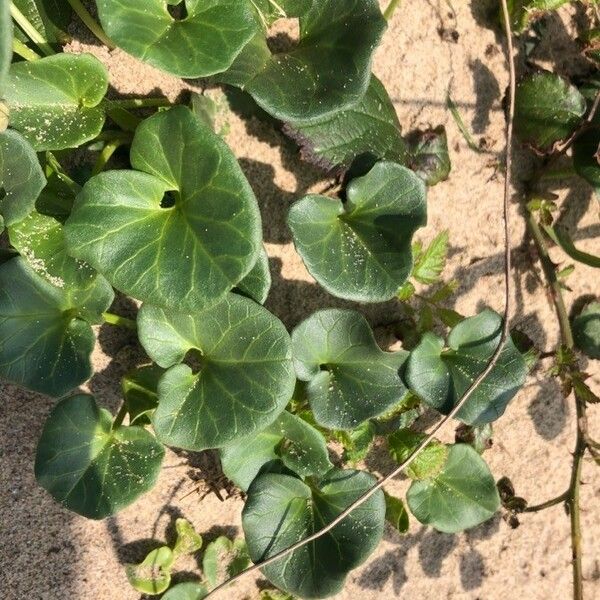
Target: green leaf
257 284
428 463
462 496
223 559
522 11
281 510
560 237
396 513
356 442
21 177
586 330
479 437
51 18
184 256
430 263
429 157
271 10
548 109
361 250
188 540
328 70
6 37
350 379
153 575
297 444
189 590
441 376
89 467
54 102
204 108
369 127
586 153
245 377
140 391
45 338
203 43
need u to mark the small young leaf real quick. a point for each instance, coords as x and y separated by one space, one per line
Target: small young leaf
245 377
295 511
440 377
357 442
140 391
188 541
350 379
54 101
430 263
429 157
223 559
462 495
361 250
257 283
395 513
428 463
89 467
189 590
586 330
153 575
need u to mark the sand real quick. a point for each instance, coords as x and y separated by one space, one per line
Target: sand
430 48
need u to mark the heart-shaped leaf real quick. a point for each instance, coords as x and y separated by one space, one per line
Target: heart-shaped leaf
189 590
396 514
200 43
188 540
89 467
361 250
369 127
153 574
179 232
21 177
462 495
224 559
140 391
441 376
326 71
297 444
45 336
257 284
6 37
50 17
548 109
350 379
54 102
280 510
245 377
586 330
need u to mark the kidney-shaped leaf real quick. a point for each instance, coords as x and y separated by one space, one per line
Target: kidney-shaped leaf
281 510
179 232
441 376
461 496
89 467
54 101
361 249
21 177
350 379
204 42
245 377
295 442
586 330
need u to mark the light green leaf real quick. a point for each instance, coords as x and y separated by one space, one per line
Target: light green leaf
153 574
182 256
245 377
396 514
206 41
188 590
361 250
428 463
6 37
430 263
140 391
356 442
45 337
350 379
462 496
281 510
441 376
21 177
271 10
297 444
223 559
429 157
89 467
49 17
548 109
257 284
188 540
55 101
586 330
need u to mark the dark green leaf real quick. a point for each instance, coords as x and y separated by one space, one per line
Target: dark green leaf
462 496
89 467
245 377
223 559
140 391
560 237
350 379
50 17
183 256
586 154
586 330
280 510
429 157
395 513
430 263
54 102
428 463
361 249
257 284
188 590
204 108
153 574
440 376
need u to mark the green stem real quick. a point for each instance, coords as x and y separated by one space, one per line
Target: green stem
113 319
23 51
108 150
553 502
89 22
112 135
128 103
123 118
118 420
389 11
32 33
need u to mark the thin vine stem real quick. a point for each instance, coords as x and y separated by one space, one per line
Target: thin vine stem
24 51
544 505
478 380
32 33
391 8
105 155
120 321
90 23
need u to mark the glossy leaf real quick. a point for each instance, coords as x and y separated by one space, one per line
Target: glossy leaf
396 513
184 256
6 37
188 540
153 574
548 109
245 377
428 463
189 590
586 330
49 17
223 559
297 444
45 343
440 376
89 467
429 157
140 392
257 284
361 250
462 496
206 41
21 177
350 379
55 101
280 510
